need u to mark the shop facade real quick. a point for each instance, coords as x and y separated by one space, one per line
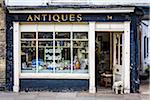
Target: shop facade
60 45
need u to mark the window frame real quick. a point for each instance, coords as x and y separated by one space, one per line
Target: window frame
54 40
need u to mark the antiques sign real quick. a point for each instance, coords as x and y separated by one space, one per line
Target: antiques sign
68 17
55 17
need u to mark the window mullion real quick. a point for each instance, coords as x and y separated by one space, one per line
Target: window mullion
54 65
71 51
37 51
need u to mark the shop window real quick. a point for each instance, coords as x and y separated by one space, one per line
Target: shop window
54 52
45 56
28 56
45 35
80 52
28 35
62 52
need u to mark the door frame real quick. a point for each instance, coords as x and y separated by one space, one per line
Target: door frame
125 28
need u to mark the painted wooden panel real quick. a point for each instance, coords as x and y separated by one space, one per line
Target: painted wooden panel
45 27
29 28
81 27
109 27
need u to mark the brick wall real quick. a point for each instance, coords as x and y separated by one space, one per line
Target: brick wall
2 45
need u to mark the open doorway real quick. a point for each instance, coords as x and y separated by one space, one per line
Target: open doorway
108 60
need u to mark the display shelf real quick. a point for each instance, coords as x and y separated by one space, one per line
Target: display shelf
28 46
26 39
78 47
45 71
63 71
28 71
80 71
80 39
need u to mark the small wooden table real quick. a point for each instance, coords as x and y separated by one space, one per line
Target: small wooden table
107 79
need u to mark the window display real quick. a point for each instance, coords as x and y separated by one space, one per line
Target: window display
28 55
54 52
63 56
45 54
80 52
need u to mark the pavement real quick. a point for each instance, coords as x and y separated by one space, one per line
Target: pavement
82 95
145 86
70 96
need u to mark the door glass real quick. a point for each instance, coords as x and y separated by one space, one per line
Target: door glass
120 49
117 42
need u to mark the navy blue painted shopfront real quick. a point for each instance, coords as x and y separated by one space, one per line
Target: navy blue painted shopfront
70 84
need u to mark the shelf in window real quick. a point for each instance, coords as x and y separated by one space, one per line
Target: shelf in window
62 39
28 46
78 47
45 40
45 46
80 39
62 46
28 39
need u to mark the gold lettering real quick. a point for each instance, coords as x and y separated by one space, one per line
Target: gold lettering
79 17
64 17
29 18
56 17
44 17
49 17
36 17
72 17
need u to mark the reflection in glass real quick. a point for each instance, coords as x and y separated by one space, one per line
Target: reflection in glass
80 35
62 35
28 35
45 35
28 56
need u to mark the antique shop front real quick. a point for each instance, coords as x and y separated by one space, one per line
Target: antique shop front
54 50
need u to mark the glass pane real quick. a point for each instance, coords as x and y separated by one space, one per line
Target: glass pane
80 35
63 56
28 56
147 46
120 39
45 35
117 49
62 35
28 35
80 56
45 57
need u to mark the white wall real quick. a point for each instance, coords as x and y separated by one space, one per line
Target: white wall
145 32
95 2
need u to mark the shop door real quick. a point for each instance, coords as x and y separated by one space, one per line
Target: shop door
117 57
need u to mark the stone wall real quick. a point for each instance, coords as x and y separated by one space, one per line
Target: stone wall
2 45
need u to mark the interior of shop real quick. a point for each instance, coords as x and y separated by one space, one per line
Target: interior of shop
103 60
